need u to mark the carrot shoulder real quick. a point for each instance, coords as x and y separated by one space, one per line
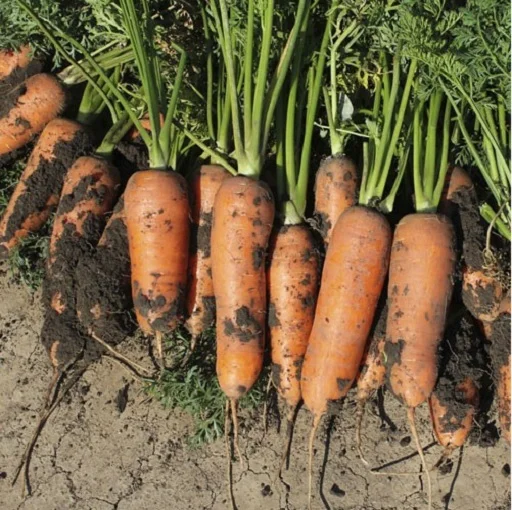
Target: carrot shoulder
37 193
27 110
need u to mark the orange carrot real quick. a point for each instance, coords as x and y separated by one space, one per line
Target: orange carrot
37 193
27 110
335 191
157 220
292 292
372 374
204 185
419 292
457 179
355 268
243 214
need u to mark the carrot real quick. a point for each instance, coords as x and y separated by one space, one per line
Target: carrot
103 297
373 372
37 193
204 185
243 214
88 193
12 61
353 276
27 110
419 291
456 181
335 190
157 222
292 292
454 401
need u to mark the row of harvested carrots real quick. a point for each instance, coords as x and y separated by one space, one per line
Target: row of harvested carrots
319 330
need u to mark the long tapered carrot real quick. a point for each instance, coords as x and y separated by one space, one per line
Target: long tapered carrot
353 276
33 104
419 292
204 184
37 193
335 190
157 219
243 214
293 279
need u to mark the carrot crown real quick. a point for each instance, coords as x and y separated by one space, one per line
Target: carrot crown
253 96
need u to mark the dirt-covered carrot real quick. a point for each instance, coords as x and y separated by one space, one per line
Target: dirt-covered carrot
373 372
37 193
103 297
454 401
88 193
204 184
27 109
336 186
457 180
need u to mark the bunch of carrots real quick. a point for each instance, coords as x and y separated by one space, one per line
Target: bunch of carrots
372 290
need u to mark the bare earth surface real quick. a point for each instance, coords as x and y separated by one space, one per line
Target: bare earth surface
93 456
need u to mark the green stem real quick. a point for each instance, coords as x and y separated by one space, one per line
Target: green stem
248 64
429 172
417 155
502 123
114 135
280 151
445 152
209 74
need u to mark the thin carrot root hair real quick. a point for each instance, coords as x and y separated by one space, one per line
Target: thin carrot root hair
229 474
316 422
447 452
359 421
265 405
191 349
290 420
234 415
160 350
137 369
414 432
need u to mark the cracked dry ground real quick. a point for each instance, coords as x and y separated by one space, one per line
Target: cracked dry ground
93 456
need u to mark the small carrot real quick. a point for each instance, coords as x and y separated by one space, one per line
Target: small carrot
355 268
335 190
457 180
373 372
293 278
157 220
204 184
28 108
37 193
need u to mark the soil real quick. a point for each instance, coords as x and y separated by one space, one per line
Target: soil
10 99
19 75
110 447
46 181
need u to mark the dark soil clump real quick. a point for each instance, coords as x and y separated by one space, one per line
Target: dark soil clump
10 99
130 157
